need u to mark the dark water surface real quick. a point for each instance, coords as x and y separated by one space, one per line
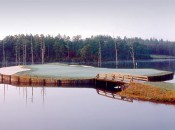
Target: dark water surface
162 64
56 108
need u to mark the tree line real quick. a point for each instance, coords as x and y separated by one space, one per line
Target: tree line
33 49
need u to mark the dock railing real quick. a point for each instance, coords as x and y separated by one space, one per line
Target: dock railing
113 95
121 77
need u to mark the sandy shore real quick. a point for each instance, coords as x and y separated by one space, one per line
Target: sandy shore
12 70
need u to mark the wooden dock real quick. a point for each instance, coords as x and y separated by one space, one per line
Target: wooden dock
118 77
114 79
127 78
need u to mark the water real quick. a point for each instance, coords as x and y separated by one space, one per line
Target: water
162 64
65 108
53 108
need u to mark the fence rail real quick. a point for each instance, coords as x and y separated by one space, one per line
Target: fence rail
121 77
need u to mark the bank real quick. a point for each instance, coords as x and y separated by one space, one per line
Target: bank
57 74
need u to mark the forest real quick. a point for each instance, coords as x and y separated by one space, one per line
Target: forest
33 49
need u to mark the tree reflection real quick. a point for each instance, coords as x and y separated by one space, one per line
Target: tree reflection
28 92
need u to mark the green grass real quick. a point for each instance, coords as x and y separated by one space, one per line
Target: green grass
80 72
162 57
170 86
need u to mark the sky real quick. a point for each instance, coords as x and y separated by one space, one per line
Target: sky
131 18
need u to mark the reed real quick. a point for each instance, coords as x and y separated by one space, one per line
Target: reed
148 93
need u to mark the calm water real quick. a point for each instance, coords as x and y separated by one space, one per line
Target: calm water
54 108
58 108
162 64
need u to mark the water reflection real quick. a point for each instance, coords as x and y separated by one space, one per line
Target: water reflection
29 91
64 108
112 94
162 64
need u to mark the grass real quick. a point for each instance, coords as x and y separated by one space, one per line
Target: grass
149 93
162 57
165 85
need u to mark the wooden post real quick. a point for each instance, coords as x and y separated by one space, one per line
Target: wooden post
10 79
0 78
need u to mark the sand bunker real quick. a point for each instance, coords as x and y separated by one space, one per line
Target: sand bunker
12 70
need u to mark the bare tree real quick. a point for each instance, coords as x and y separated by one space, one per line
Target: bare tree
19 54
24 49
116 54
99 55
132 52
32 51
42 49
16 53
67 39
16 50
3 53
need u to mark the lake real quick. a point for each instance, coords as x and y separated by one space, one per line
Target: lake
53 108
162 64
76 108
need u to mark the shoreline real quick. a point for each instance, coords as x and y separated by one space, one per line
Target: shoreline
147 92
70 75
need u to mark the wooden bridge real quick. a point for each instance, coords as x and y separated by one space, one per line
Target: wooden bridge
119 77
122 78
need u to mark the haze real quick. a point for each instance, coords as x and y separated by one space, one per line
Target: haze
131 18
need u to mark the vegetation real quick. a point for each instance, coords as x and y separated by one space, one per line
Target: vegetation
23 49
162 57
149 93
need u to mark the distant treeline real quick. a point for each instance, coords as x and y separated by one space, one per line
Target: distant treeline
22 49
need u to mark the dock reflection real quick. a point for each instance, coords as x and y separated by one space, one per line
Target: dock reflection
112 93
28 92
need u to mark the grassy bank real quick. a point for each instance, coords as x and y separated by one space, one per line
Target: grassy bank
147 92
162 57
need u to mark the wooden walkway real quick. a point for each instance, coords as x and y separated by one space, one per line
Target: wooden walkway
118 77
127 78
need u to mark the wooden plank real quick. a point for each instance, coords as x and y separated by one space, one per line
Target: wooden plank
121 77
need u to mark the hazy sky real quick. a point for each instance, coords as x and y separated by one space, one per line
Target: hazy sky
131 18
